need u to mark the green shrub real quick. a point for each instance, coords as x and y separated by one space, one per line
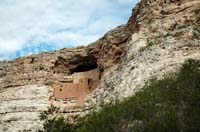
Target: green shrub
57 124
168 105
53 123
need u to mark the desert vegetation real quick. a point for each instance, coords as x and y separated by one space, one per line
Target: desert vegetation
171 104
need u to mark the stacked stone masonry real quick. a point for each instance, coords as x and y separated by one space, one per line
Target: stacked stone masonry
159 36
83 84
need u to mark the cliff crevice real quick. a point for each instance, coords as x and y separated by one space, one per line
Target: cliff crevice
159 36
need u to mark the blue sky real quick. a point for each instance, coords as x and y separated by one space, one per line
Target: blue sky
32 26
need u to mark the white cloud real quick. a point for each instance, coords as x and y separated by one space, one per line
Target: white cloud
28 23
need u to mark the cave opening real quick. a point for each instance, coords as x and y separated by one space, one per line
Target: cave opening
77 64
84 64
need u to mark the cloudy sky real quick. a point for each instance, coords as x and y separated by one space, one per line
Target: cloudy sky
33 26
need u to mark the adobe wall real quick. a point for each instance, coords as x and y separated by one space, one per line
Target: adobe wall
75 91
93 85
83 84
93 74
64 91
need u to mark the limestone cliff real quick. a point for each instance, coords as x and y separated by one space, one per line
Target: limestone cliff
165 34
159 36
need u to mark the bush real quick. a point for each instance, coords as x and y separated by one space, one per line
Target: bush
168 105
53 123
57 124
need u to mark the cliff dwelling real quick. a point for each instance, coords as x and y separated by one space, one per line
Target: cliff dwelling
79 85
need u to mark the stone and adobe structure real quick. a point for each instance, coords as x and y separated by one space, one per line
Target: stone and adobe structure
81 85
159 36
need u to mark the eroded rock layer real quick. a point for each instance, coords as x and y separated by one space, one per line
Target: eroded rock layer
159 36
20 79
165 34
20 107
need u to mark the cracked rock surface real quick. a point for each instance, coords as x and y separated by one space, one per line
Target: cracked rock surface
159 36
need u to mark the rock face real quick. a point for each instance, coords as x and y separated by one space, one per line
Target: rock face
39 72
159 36
20 107
165 34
